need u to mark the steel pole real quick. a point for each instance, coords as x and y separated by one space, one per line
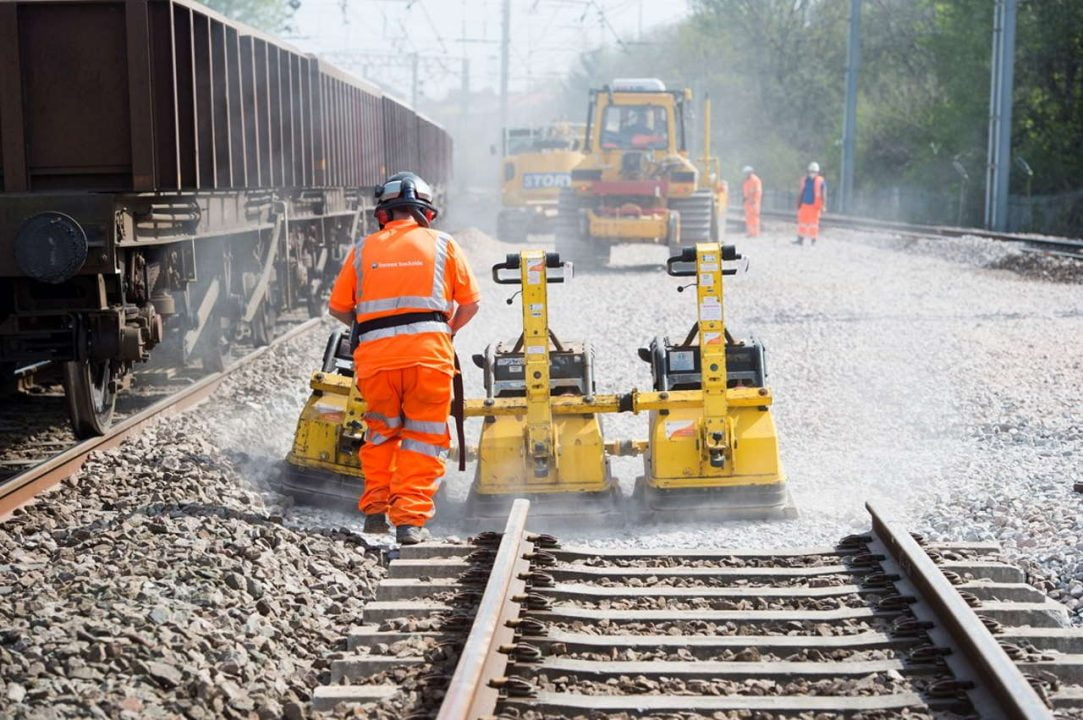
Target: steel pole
505 54
849 118
414 60
998 171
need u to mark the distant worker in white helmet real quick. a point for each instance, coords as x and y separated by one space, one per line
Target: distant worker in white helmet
752 197
811 198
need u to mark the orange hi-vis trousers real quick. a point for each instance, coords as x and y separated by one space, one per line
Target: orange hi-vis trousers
406 440
808 221
752 219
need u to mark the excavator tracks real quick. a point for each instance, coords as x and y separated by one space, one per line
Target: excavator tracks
879 626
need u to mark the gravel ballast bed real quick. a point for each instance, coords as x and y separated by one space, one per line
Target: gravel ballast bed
165 580
159 581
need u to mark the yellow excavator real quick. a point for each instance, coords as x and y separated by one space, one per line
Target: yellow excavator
537 166
711 450
636 183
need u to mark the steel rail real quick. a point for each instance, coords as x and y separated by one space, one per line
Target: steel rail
19 489
474 688
994 673
1070 247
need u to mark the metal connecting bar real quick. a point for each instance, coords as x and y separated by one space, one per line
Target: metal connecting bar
470 694
633 402
996 674
20 489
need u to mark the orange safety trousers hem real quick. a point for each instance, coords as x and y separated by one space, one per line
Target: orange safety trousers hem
808 221
752 220
405 442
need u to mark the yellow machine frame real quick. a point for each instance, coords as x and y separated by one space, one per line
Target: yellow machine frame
715 438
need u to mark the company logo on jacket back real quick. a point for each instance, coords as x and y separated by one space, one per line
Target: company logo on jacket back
401 263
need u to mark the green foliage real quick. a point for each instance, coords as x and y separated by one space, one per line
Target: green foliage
269 15
776 71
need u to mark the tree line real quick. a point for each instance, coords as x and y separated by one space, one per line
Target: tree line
776 72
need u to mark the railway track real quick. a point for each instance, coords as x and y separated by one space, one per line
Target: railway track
1065 247
43 460
515 626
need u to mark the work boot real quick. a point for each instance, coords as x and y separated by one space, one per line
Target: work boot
376 524
411 534
799 241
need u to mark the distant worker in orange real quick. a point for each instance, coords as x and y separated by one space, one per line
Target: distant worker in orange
811 198
752 195
409 289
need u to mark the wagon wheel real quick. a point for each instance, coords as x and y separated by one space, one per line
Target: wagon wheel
91 396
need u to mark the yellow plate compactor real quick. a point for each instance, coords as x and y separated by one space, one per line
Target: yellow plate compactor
718 457
525 449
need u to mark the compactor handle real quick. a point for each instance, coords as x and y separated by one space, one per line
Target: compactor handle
507 272
683 263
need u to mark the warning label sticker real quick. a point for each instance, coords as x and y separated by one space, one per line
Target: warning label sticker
710 309
680 429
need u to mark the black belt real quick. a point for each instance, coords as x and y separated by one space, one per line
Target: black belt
398 320
458 411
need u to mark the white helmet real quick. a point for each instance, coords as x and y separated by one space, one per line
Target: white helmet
814 167
746 169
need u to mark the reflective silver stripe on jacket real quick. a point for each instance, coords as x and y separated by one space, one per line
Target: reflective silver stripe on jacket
375 438
413 302
391 422
436 301
359 271
423 448
426 426
408 329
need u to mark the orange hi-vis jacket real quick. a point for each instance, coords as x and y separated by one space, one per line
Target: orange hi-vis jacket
404 268
752 190
816 195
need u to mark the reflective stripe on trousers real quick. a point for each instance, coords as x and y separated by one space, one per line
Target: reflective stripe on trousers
391 422
423 447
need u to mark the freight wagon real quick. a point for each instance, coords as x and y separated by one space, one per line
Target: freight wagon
170 181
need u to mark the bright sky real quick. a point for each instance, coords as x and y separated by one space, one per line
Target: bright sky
377 38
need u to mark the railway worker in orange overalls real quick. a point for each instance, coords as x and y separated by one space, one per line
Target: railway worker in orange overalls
752 196
811 198
410 289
